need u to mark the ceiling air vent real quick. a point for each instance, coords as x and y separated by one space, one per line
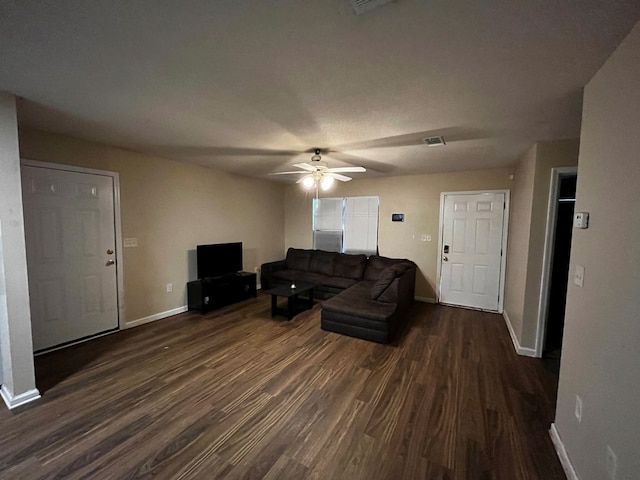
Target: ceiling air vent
435 141
363 6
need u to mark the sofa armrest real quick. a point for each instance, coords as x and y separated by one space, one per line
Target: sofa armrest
402 289
407 288
267 270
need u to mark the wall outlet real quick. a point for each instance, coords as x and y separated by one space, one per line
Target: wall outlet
130 242
612 463
169 287
581 220
578 411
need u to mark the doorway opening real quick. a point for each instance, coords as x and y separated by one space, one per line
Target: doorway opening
555 279
560 267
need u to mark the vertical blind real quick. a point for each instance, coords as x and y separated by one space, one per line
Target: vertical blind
327 224
361 225
348 225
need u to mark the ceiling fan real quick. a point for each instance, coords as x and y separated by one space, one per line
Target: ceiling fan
317 173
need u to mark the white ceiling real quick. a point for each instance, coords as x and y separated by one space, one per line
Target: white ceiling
247 85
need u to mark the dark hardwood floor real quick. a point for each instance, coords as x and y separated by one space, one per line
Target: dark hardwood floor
237 394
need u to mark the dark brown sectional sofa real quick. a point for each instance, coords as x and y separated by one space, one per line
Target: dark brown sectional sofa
363 297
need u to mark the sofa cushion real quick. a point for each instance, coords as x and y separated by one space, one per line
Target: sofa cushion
339 282
387 276
355 302
322 262
298 259
349 266
376 264
299 276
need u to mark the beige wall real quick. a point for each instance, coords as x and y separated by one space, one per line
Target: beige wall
601 346
171 207
417 196
561 153
525 249
518 243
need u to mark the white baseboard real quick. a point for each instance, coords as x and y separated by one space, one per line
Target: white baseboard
569 471
425 299
520 350
13 401
157 316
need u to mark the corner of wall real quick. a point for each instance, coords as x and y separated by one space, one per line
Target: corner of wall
563 456
520 350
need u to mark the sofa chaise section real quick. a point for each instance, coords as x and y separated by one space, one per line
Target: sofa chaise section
373 309
363 297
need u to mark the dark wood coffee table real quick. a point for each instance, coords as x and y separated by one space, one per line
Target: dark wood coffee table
295 304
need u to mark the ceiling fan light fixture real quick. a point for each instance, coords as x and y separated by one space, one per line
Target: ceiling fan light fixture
308 182
318 175
326 182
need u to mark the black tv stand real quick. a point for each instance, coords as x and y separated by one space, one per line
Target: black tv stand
215 292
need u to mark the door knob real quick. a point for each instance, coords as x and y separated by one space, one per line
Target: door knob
110 262
109 252
445 259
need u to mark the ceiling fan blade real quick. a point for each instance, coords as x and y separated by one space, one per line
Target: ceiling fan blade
337 176
305 166
284 173
347 169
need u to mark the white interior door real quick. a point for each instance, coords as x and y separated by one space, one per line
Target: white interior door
471 250
71 261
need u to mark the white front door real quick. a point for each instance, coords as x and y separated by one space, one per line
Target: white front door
471 249
70 238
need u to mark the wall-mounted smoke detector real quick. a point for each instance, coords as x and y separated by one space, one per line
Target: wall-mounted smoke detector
362 6
435 141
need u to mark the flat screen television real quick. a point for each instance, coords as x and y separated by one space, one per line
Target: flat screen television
219 259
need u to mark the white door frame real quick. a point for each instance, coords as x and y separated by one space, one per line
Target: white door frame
118 226
557 174
505 229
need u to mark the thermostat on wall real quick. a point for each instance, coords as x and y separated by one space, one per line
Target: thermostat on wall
397 217
581 220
